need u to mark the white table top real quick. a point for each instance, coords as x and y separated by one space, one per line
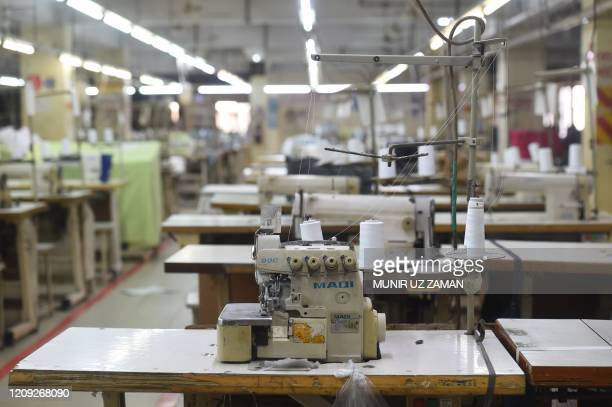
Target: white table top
93 357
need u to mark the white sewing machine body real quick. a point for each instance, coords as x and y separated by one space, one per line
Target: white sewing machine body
566 195
311 306
408 221
49 176
270 185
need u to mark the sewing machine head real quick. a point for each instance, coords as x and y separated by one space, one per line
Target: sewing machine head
408 221
566 195
270 185
311 305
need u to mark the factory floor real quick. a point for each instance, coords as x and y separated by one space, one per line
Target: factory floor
144 307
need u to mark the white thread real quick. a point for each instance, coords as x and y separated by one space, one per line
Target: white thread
427 164
545 159
311 231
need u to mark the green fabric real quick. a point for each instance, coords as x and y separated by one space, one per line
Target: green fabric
140 201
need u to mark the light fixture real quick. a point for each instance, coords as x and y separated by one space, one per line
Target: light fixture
150 80
87 7
286 89
160 43
16 45
142 34
225 90
129 90
308 15
118 73
256 58
117 22
201 64
230 78
11 81
176 51
92 66
173 88
332 88
419 54
392 73
402 88
491 6
70 60
313 67
92 91
444 21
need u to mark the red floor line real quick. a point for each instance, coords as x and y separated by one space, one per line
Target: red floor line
80 310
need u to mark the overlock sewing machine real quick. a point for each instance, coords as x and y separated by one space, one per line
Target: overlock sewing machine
311 305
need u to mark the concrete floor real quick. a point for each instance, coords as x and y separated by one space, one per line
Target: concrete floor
120 310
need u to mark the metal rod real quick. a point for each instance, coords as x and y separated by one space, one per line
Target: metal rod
472 182
463 61
373 135
381 157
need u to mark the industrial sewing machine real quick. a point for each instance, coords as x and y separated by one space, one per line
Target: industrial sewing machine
408 222
566 195
311 305
270 185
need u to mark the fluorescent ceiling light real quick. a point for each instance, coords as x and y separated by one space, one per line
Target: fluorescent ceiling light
392 73
16 45
129 90
176 51
230 78
70 60
11 81
92 66
116 72
203 66
87 7
256 58
160 43
307 15
117 22
286 89
402 88
150 80
491 6
444 21
173 88
142 34
225 90
92 91
335 88
419 54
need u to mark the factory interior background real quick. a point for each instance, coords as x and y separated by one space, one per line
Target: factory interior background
306 203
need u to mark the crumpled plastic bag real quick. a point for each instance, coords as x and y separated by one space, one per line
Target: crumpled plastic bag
358 390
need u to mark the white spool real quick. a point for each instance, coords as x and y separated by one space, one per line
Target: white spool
371 242
545 159
533 151
384 171
494 158
311 230
109 136
575 164
474 240
512 156
45 150
427 164
92 136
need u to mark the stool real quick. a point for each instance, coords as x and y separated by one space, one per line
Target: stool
104 233
44 249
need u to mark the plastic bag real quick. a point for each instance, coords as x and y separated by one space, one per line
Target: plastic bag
358 390
290 364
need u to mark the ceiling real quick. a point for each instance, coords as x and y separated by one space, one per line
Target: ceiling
228 32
